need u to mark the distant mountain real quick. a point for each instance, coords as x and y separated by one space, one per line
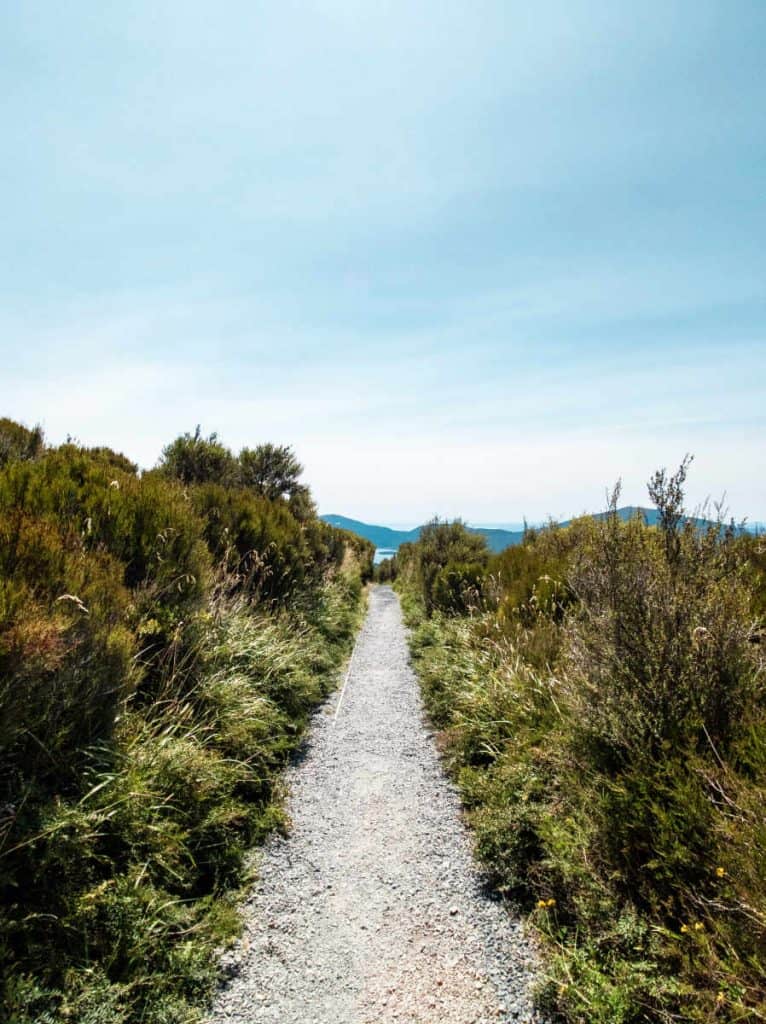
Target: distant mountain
651 515
652 518
381 536
385 537
497 540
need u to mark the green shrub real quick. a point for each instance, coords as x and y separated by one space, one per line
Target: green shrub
457 588
660 657
18 443
162 644
194 459
386 571
259 541
531 579
268 471
114 895
753 554
329 547
272 471
611 752
346 549
113 459
439 546
147 524
65 652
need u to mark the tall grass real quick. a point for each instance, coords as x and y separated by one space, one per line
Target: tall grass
150 695
611 752
115 895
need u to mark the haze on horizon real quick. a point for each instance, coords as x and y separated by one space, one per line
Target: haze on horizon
468 259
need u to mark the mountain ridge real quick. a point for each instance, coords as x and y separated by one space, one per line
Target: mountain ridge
497 539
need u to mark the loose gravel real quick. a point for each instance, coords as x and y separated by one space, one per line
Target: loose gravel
372 910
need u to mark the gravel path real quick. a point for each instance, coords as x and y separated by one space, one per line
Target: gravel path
372 910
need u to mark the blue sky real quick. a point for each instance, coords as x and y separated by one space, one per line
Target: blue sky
468 258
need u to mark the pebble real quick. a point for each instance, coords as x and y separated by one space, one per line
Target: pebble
373 909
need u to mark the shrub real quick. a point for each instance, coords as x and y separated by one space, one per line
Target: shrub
113 459
457 588
258 540
273 471
753 555
614 770
328 548
440 545
349 548
113 892
660 655
65 651
194 459
531 579
148 524
18 443
148 701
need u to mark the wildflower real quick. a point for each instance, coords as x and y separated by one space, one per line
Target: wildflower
541 904
550 903
684 929
720 998
699 926
720 872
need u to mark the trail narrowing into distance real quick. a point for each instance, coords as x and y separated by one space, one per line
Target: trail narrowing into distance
372 909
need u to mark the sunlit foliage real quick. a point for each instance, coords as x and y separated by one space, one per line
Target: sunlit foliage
603 712
163 639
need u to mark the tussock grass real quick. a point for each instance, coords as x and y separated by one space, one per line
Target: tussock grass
116 895
610 749
156 674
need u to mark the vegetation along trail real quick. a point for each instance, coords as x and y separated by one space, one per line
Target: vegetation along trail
372 909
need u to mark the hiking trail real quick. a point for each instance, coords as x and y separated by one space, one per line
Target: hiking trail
372 910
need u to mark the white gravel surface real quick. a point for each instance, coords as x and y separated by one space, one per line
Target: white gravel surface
373 910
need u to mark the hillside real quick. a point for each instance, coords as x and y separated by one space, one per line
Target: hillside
497 540
385 537
381 536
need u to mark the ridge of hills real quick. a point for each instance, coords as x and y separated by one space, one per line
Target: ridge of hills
497 539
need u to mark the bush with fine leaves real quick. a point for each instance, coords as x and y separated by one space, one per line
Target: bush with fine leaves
66 653
611 753
163 640
441 549
259 541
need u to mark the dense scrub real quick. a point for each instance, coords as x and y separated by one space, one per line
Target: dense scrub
163 639
603 712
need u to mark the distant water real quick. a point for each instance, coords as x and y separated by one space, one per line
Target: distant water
382 553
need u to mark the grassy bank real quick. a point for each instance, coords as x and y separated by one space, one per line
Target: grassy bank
601 700
164 638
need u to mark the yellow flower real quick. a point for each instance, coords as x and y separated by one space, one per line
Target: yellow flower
541 904
684 929
720 998
720 872
699 926
551 903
